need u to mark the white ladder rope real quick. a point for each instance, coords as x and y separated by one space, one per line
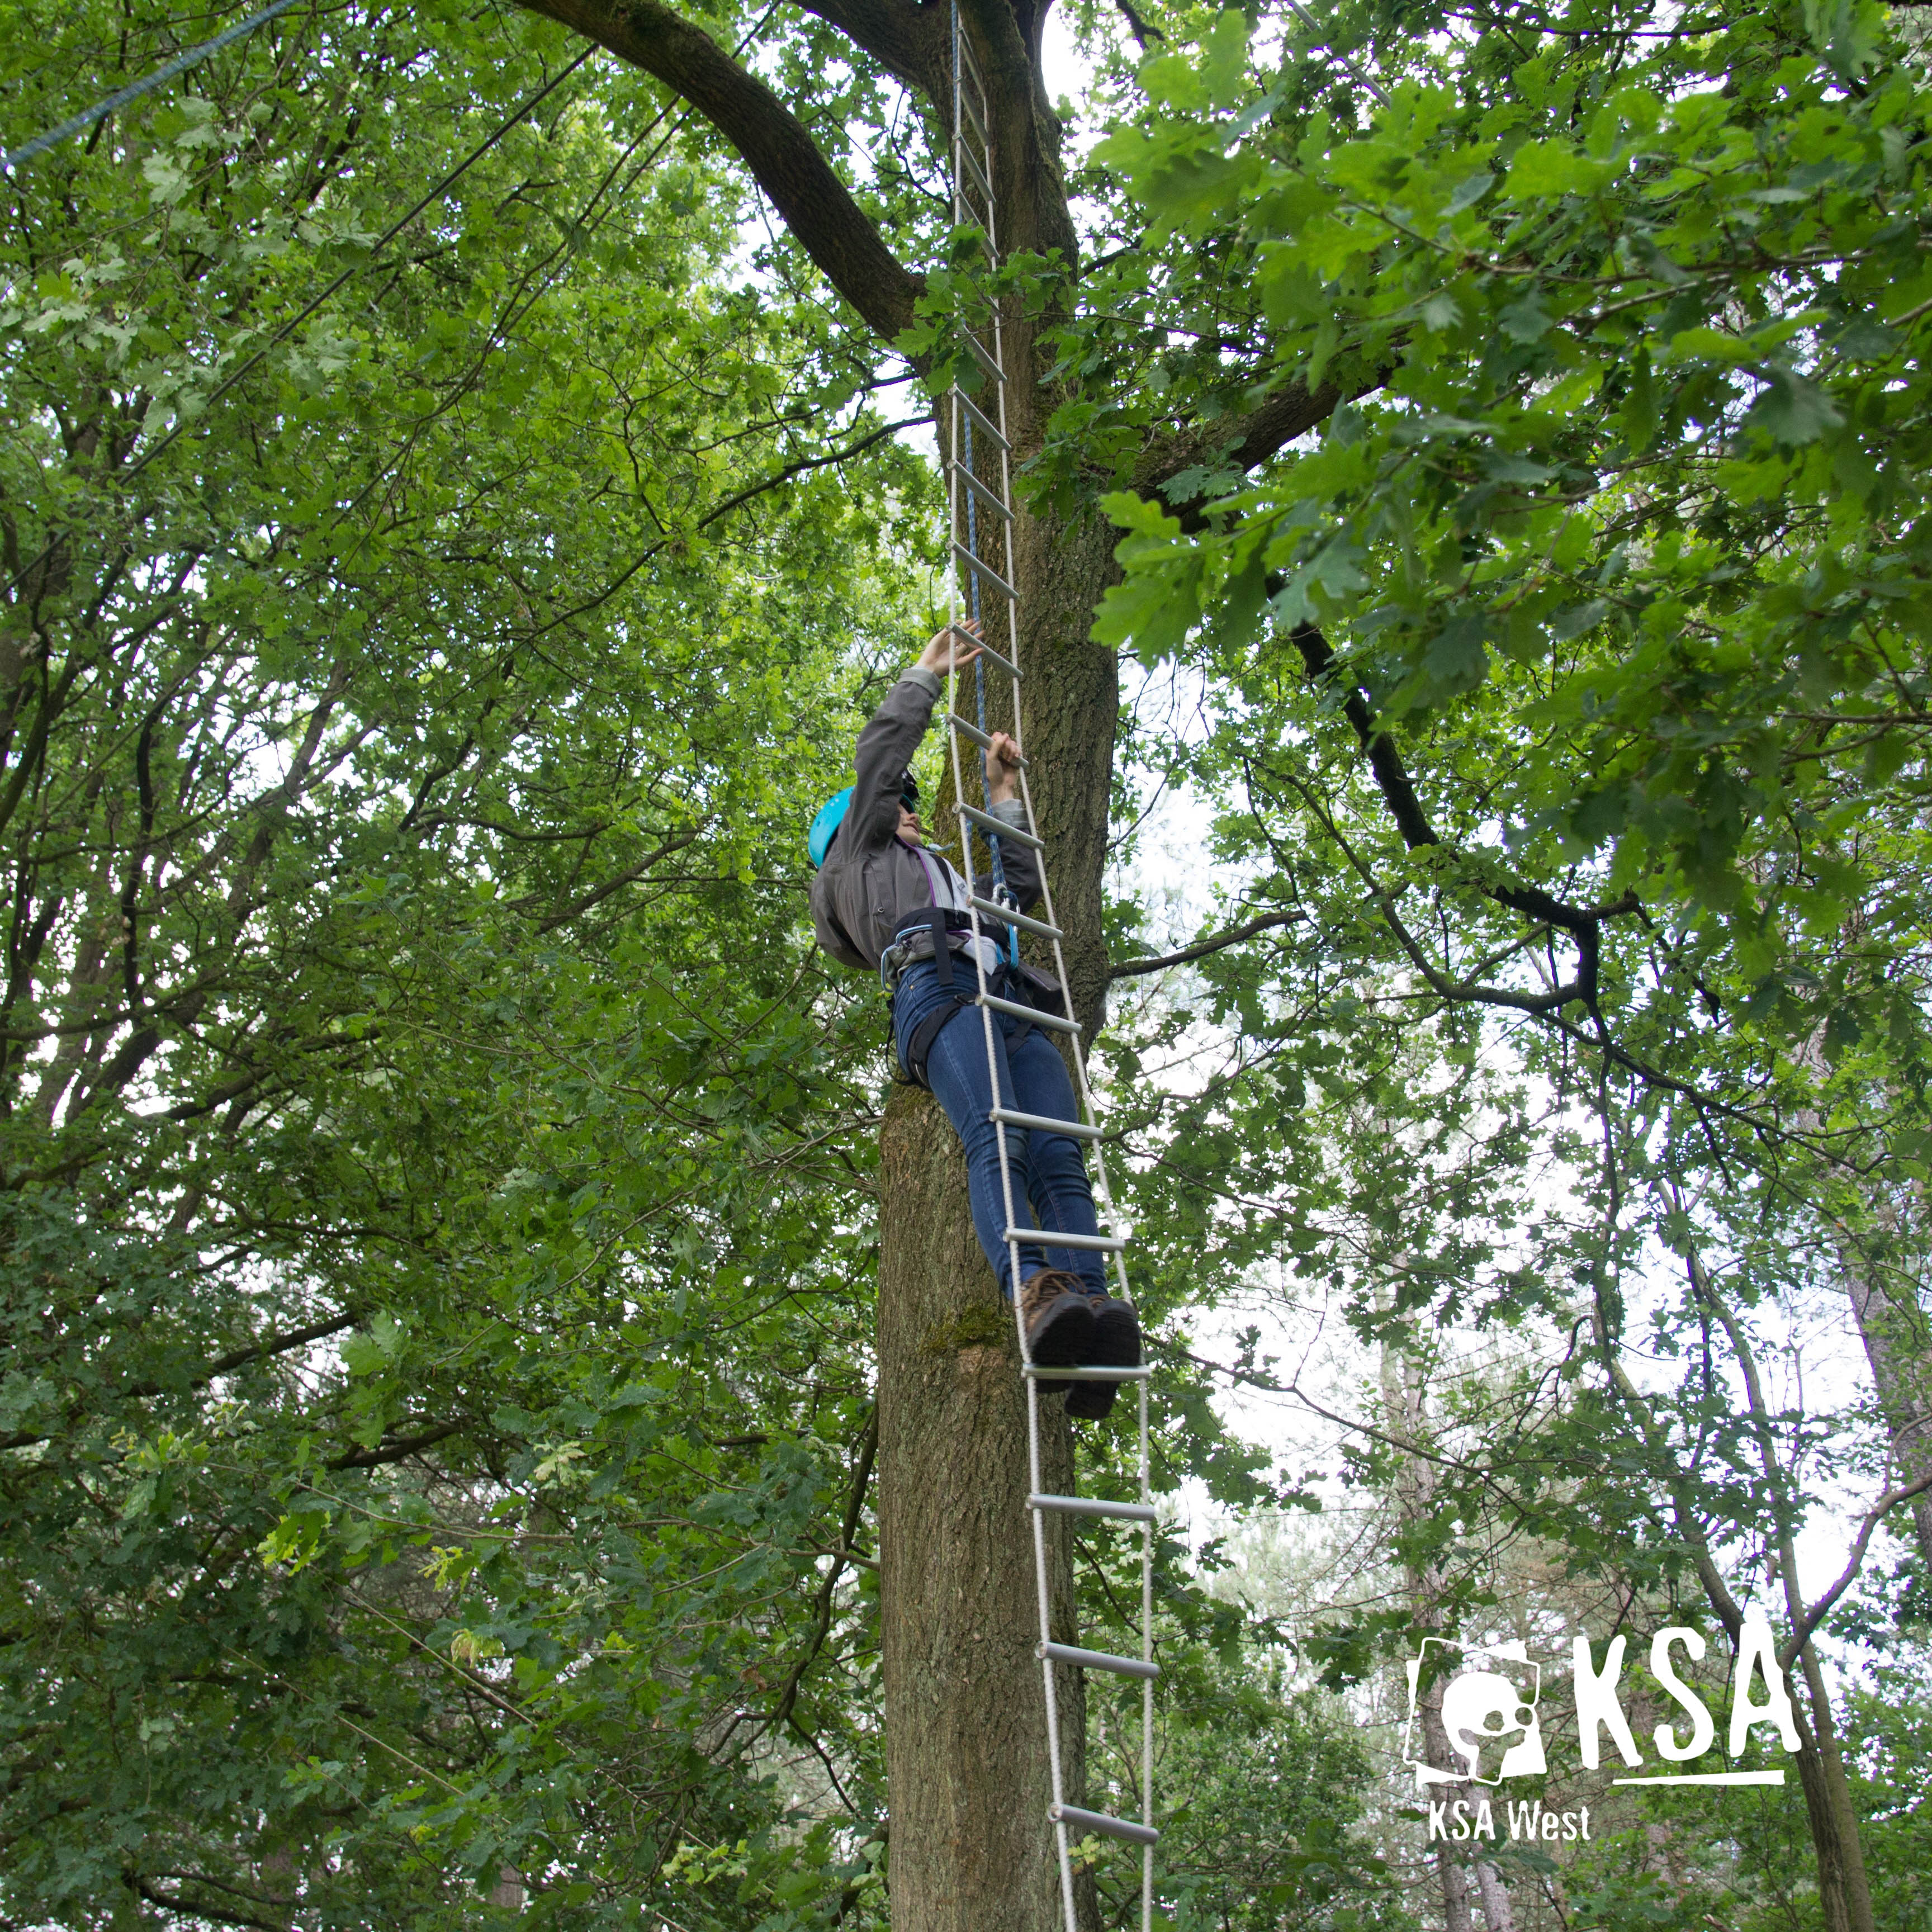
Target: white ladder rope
969 492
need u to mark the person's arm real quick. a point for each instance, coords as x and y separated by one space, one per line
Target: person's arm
886 745
1019 862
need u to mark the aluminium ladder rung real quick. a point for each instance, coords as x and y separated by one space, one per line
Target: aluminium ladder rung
970 61
985 571
1051 1021
1093 1506
980 174
987 425
967 729
999 829
1079 1129
988 499
1046 1371
1097 1659
1099 1821
979 643
973 114
983 355
995 910
1053 1238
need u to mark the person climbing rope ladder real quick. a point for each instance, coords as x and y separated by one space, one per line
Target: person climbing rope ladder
882 902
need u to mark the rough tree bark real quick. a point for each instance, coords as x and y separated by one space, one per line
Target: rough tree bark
1405 1409
965 1721
1844 1897
1893 1331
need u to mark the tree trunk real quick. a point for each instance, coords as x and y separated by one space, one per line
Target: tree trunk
1404 1405
1456 1916
1450 1870
1844 1893
1894 1345
1498 1914
1892 1327
966 1734
967 1745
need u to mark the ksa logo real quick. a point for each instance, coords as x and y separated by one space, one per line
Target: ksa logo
1474 1719
1489 1714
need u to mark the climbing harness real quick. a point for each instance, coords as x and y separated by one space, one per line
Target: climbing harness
980 498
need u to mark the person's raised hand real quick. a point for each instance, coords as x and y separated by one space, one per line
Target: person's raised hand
949 649
1003 768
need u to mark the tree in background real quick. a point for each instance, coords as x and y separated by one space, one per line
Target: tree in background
324 1238
1574 681
434 1166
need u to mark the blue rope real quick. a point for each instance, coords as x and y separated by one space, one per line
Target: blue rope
1000 890
99 111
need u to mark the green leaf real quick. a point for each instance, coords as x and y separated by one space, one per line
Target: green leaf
1794 410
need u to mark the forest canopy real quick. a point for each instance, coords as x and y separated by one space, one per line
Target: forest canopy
454 519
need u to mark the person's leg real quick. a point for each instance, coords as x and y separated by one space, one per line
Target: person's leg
1064 1196
956 1070
1059 1320
1056 1170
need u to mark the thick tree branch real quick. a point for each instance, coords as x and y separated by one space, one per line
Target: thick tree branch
173 1903
909 41
1584 924
1439 983
814 203
1128 968
1244 443
393 1452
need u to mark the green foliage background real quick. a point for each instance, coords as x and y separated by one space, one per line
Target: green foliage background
436 1420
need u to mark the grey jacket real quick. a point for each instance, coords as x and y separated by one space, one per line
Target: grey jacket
873 885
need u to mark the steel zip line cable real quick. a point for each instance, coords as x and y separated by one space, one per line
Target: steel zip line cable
979 493
99 111
1358 75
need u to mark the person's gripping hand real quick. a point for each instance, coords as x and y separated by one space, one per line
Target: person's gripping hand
948 650
1003 768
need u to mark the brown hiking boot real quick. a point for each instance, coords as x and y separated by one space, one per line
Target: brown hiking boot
1116 1344
1058 1316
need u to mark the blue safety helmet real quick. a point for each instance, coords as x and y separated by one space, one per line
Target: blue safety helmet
831 815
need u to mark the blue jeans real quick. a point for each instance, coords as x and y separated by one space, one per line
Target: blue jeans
1049 1170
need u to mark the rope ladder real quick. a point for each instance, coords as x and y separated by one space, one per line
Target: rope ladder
979 509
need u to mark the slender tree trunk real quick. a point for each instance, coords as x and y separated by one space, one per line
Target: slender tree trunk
1405 1404
1456 1916
1892 1328
1450 1872
1843 1893
1497 1911
1895 1341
